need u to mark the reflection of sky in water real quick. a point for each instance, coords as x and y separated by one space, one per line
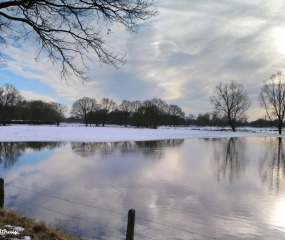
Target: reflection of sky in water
220 188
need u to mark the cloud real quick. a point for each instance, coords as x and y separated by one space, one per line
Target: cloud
29 95
179 56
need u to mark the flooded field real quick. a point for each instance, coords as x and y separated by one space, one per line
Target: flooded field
227 188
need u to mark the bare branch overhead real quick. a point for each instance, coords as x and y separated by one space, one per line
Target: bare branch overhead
66 29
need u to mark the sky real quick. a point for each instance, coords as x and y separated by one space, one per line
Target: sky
178 56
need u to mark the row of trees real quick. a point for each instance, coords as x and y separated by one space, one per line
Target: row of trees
14 107
149 113
218 120
232 101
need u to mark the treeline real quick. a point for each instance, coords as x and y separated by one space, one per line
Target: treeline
149 113
15 109
214 119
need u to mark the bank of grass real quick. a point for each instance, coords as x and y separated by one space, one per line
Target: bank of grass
37 231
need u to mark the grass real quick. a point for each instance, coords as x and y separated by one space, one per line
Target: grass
37 231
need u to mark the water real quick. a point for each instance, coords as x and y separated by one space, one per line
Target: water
181 189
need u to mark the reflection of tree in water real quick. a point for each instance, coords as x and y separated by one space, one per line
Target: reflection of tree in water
272 165
148 148
229 159
153 149
41 145
88 149
10 152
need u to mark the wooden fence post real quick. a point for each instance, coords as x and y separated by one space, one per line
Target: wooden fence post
131 225
1 192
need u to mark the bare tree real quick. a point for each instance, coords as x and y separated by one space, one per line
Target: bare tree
106 106
9 97
36 111
232 100
272 98
191 119
218 119
92 115
175 113
81 108
203 119
126 107
152 112
59 110
39 112
136 116
65 29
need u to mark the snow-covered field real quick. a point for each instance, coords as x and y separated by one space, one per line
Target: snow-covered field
80 133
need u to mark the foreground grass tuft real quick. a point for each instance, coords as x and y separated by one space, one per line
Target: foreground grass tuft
33 229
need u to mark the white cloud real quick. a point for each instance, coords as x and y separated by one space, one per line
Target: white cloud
179 56
30 95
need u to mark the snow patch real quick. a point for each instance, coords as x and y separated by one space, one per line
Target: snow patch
80 133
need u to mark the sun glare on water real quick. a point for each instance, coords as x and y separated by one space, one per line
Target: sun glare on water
279 215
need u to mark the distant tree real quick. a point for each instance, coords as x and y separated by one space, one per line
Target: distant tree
272 98
19 109
217 119
68 28
203 119
106 107
190 119
137 113
153 110
262 123
58 111
176 114
81 108
22 110
93 116
38 111
9 98
117 117
232 100
126 107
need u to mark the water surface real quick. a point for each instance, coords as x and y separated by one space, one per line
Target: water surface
181 189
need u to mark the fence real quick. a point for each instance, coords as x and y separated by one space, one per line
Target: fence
2 193
130 233
131 214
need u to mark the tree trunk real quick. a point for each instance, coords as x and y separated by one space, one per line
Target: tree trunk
280 126
232 125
